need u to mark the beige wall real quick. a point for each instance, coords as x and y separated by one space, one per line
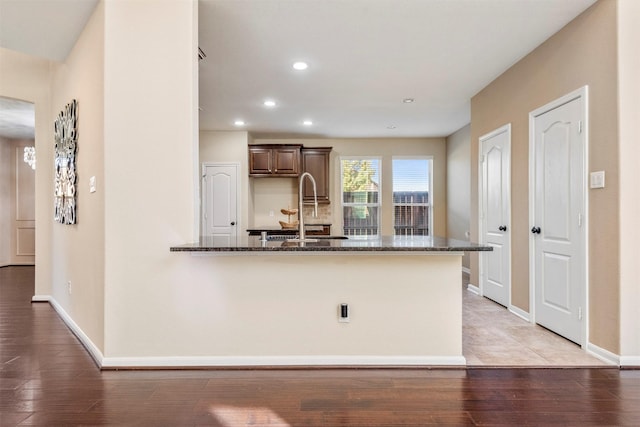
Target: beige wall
28 78
458 186
582 53
385 148
77 251
230 147
629 93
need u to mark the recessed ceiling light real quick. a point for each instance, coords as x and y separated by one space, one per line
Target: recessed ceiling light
300 65
269 103
239 123
307 123
391 127
408 100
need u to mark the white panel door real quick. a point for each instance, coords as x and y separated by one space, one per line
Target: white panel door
558 229
495 157
219 200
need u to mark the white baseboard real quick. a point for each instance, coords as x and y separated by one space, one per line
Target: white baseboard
240 361
473 289
602 354
520 313
629 361
247 361
94 352
466 270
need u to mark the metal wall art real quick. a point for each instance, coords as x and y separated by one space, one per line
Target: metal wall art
66 142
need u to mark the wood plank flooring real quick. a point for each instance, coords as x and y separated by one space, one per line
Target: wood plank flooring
48 379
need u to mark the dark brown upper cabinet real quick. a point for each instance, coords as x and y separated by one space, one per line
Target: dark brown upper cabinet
316 161
274 160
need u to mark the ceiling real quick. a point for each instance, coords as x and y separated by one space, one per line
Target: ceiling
364 56
43 28
17 119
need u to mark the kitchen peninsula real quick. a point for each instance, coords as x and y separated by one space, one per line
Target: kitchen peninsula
404 298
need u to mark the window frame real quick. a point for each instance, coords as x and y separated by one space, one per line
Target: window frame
430 203
379 159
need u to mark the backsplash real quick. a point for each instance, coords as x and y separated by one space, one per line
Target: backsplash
272 194
324 214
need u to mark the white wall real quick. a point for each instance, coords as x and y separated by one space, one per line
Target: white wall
459 186
629 111
77 251
150 167
254 309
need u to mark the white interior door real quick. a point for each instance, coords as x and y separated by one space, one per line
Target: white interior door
219 199
558 226
495 162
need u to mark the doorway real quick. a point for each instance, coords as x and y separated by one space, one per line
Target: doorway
220 199
17 182
495 215
558 208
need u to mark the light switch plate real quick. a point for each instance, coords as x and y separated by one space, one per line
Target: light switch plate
92 184
597 179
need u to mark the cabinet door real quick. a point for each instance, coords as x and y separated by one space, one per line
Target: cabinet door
260 161
286 161
316 162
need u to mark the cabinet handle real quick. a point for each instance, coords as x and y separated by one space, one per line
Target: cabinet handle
233 223
536 230
502 228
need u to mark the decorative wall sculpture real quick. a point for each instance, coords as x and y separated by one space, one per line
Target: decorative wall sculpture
66 141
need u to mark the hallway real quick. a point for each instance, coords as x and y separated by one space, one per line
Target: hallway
493 336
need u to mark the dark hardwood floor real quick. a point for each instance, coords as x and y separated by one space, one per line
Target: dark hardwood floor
48 379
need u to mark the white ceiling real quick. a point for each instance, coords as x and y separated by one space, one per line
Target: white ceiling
17 119
44 28
365 57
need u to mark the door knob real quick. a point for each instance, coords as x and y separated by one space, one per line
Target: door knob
233 223
536 230
502 228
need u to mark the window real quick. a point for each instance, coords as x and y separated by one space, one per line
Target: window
360 195
411 197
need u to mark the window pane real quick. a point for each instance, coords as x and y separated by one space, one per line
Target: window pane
360 220
411 220
411 186
361 196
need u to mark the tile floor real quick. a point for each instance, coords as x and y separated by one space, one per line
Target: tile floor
493 336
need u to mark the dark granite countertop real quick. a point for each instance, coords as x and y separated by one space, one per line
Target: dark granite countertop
324 244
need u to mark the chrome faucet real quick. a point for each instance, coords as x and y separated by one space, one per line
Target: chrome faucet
300 204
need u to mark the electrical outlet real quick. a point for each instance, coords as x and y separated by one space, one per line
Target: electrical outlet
69 287
271 213
343 313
